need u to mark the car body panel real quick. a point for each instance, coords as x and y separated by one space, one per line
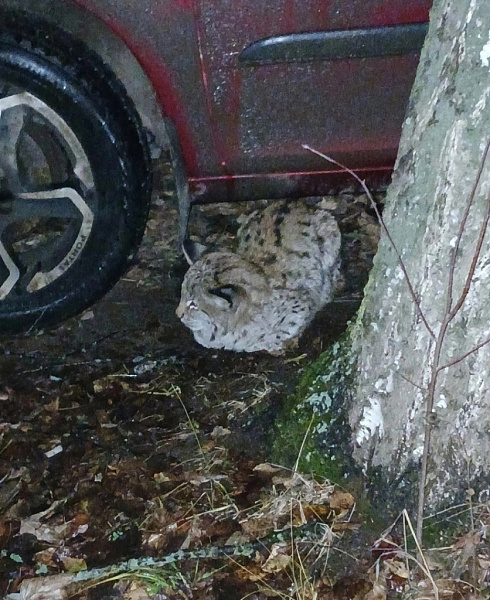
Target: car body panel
242 126
349 108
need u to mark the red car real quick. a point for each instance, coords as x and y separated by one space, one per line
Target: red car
234 88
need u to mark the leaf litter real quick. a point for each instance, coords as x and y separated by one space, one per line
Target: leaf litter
123 443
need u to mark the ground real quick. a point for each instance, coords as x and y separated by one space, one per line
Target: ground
121 438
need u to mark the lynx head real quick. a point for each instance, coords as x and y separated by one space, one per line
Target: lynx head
217 292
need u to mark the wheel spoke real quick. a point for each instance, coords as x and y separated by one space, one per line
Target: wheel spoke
43 278
37 205
11 124
13 273
81 168
12 110
26 270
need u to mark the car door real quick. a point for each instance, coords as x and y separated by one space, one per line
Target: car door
334 74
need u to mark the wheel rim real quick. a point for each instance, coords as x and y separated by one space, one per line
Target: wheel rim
47 195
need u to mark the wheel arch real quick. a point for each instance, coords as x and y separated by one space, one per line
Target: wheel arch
103 41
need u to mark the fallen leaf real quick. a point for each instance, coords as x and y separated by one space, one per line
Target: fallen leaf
46 588
73 565
378 592
267 469
136 591
278 559
219 431
341 501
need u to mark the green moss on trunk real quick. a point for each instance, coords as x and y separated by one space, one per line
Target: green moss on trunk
313 433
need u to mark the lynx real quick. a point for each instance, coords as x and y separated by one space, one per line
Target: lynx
263 296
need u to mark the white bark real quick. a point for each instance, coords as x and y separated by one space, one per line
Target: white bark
442 145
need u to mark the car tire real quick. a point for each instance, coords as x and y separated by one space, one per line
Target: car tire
75 175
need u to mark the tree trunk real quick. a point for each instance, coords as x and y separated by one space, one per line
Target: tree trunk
389 349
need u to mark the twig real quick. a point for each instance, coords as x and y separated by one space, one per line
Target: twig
385 229
406 519
452 266
305 437
474 262
463 356
408 380
450 312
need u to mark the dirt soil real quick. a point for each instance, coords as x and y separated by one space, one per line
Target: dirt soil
121 438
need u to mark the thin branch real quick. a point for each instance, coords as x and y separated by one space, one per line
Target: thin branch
419 387
474 262
449 315
431 392
423 562
454 253
463 356
385 229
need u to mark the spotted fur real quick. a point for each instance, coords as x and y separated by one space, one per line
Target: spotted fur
262 297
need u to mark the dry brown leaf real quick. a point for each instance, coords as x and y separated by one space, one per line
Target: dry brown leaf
46 588
109 384
53 406
252 572
378 592
267 469
447 589
468 541
396 574
136 590
278 559
73 565
341 501
237 538
466 549
393 566
47 557
195 534
208 445
44 532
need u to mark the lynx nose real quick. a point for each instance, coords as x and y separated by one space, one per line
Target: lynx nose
184 306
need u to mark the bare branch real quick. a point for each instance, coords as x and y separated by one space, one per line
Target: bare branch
419 387
463 356
474 262
453 311
449 315
385 229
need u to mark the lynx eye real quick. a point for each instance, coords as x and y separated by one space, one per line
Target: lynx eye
223 292
192 305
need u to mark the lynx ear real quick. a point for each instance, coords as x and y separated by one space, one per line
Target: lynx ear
192 250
